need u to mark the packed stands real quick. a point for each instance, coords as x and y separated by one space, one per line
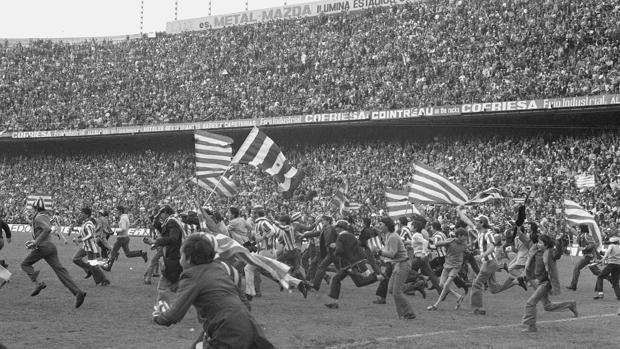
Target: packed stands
420 54
141 181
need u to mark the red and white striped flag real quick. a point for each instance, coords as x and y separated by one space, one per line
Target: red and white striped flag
223 186
485 195
398 205
213 154
577 215
428 186
260 151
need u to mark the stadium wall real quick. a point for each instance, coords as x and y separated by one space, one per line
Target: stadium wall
576 120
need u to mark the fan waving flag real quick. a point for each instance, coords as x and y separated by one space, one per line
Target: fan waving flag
485 195
260 151
223 187
46 199
428 186
398 205
213 154
577 215
226 247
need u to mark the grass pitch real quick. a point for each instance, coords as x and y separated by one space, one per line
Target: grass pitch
119 315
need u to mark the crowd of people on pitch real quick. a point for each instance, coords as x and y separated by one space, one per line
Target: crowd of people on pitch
418 54
544 166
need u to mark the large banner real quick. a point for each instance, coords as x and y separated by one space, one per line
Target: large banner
538 104
325 118
275 13
26 228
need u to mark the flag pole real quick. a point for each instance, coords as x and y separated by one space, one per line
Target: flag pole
215 187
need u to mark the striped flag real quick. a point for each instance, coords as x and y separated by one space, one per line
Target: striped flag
375 243
398 205
428 186
47 200
213 154
340 198
223 186
485 195
227 247
353 206
260 151
577 215
585 181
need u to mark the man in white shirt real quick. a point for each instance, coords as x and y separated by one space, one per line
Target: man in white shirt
122 241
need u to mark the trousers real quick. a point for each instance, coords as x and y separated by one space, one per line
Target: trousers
581 263
613 271
541 294
95 270
123 242
396 287
486 275
47 250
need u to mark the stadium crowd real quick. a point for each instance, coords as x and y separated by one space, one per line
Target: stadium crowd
546 163
417 54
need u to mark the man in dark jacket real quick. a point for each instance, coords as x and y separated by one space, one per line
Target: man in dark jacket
7 231
170 239
207 285
542 270
326 246
351 262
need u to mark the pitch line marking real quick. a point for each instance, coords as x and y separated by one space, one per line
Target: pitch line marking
481 328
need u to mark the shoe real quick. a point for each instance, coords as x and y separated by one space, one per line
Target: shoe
88 274
145 256
479 311
104 283
571 288
79 298
148 282
529 329
410 316
39 288
249 297
431 307
379 301
573 308
303 287
107 266
522 283
332 305
4 283
459 302
600 295
258 295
